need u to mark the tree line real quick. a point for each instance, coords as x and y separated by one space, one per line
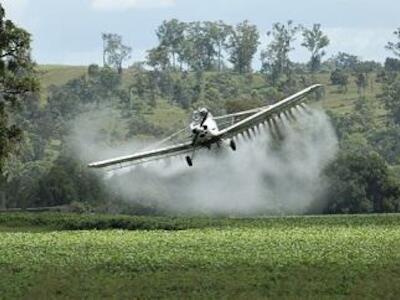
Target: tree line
194 64
209 46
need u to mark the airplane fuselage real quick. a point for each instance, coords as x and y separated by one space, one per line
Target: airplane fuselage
204 131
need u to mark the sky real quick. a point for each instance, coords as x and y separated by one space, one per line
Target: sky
69 31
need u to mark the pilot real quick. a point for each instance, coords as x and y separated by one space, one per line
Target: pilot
203 111
199 114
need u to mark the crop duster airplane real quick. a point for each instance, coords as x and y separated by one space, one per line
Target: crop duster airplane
205 132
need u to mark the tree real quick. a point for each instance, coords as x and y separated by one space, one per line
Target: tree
367 66
361 121
275 58
242 45
395 46
360 181
345 61
171 36
340 78
244 102
219 33
315 41
392 64
158 58
386 141
108 82
391 96
200 49
182 93
114 51
17 80
361 82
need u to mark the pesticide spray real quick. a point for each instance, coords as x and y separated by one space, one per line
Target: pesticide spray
275 170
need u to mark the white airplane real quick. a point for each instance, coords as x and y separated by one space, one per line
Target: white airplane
205 132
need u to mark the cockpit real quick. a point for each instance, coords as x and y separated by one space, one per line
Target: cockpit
199 115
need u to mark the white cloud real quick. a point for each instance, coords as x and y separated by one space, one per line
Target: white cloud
129 4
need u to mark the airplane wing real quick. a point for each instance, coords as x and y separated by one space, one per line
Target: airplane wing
257 116
241 113
262 115
146 155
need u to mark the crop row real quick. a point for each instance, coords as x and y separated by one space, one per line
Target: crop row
63 221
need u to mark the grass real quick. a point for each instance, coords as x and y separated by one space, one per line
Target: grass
334 100
166 115
171 117
173 257
57 75
344 102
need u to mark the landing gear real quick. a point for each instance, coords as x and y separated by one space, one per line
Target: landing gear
189 161
232 144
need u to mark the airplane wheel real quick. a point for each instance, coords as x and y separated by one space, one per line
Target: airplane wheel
189 161
232 144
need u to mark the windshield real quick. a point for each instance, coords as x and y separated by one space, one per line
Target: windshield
199 114
196 116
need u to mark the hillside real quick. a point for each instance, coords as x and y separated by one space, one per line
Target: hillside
333 99
93 113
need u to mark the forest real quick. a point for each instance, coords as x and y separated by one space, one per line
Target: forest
195 64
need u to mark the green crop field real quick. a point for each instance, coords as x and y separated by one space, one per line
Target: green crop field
91 257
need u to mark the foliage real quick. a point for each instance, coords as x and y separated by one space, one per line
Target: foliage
242 46
114 51
391 97
346 61
237 105
326 257
158 58
218 32
200 46
190 69
386 141
340 78
361 121
395 46
361 82
200 50
137 125
315 41
16 81
171 37
360 181
275 58
367 67
392 64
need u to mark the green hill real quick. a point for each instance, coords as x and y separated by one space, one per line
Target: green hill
334 99
142 105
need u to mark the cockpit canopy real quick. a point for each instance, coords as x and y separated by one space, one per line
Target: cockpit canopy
198 115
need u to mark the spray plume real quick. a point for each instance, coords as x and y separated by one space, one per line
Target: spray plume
275 170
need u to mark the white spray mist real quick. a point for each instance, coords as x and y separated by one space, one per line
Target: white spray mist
265 175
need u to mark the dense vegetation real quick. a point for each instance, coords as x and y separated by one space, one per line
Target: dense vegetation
295 257
195 64
48 221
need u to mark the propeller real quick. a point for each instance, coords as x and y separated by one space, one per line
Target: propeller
196 136
201 125
204 118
